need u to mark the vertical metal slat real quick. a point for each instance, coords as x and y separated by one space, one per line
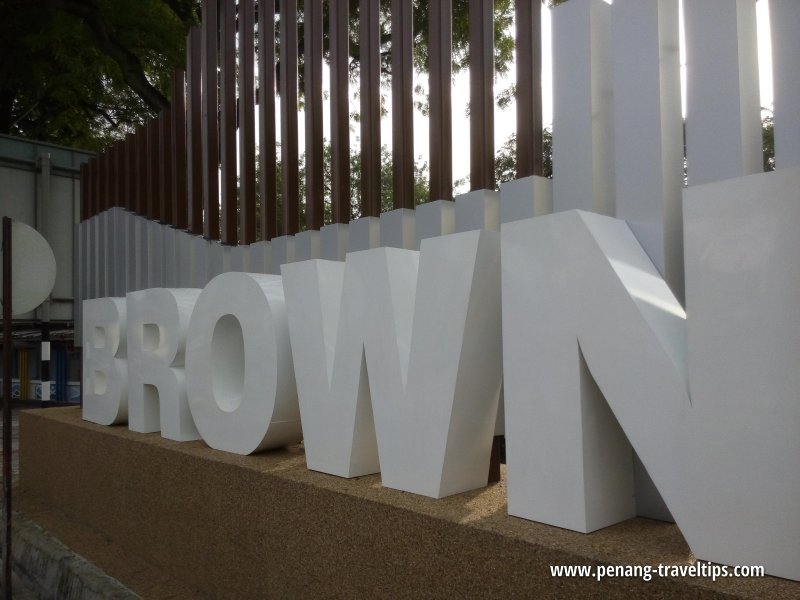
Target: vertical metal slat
227 130
247 123
194 126
440 36
210 109
165 153
481 76
178 192
370 108
289 145
312 59
340 112
402 104
529 87
266 119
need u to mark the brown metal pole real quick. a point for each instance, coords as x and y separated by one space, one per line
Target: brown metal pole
481 96
121 174
133 166
370 108
178 191
402 104
165 153
440 36
91 189
194 126
128 157
96 186
7 346
340 112
227 129
530 159
266 119
84 169
111 165
210 110
153 199
147 171
289 144
119 169
100 177
141 171
247 122
312 59
108 170
105 193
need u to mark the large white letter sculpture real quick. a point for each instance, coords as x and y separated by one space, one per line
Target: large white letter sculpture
743 302
610 334
605 315
326 321
428 324
105 374
239 374
158 320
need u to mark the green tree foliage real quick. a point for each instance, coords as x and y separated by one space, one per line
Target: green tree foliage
387 193
768 142
505 162
504 41
84 72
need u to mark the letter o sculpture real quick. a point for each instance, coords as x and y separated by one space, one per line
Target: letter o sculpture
239 372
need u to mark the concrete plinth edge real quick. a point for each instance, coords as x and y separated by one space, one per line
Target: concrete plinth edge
50 569
180 520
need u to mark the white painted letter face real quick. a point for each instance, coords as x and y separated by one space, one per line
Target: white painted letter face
743 301
158 321
239 374
105 373
426 324
326 316
605 325
610 351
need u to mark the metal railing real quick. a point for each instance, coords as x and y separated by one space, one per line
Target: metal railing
183 168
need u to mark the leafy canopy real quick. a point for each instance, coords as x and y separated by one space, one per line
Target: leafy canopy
85 72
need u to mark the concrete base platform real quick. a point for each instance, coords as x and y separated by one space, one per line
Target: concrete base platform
172 519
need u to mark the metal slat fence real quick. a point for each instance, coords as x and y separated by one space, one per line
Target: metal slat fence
182 168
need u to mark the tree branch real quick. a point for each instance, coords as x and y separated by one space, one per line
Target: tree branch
130 66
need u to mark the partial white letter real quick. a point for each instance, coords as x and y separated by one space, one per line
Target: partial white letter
743 301
326 323
587 319
158 320
105 370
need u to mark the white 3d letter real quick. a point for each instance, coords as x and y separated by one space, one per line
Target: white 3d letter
433 351
158 320
743 301
428 324
607 330
105 370
326 324
239 375
586 316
